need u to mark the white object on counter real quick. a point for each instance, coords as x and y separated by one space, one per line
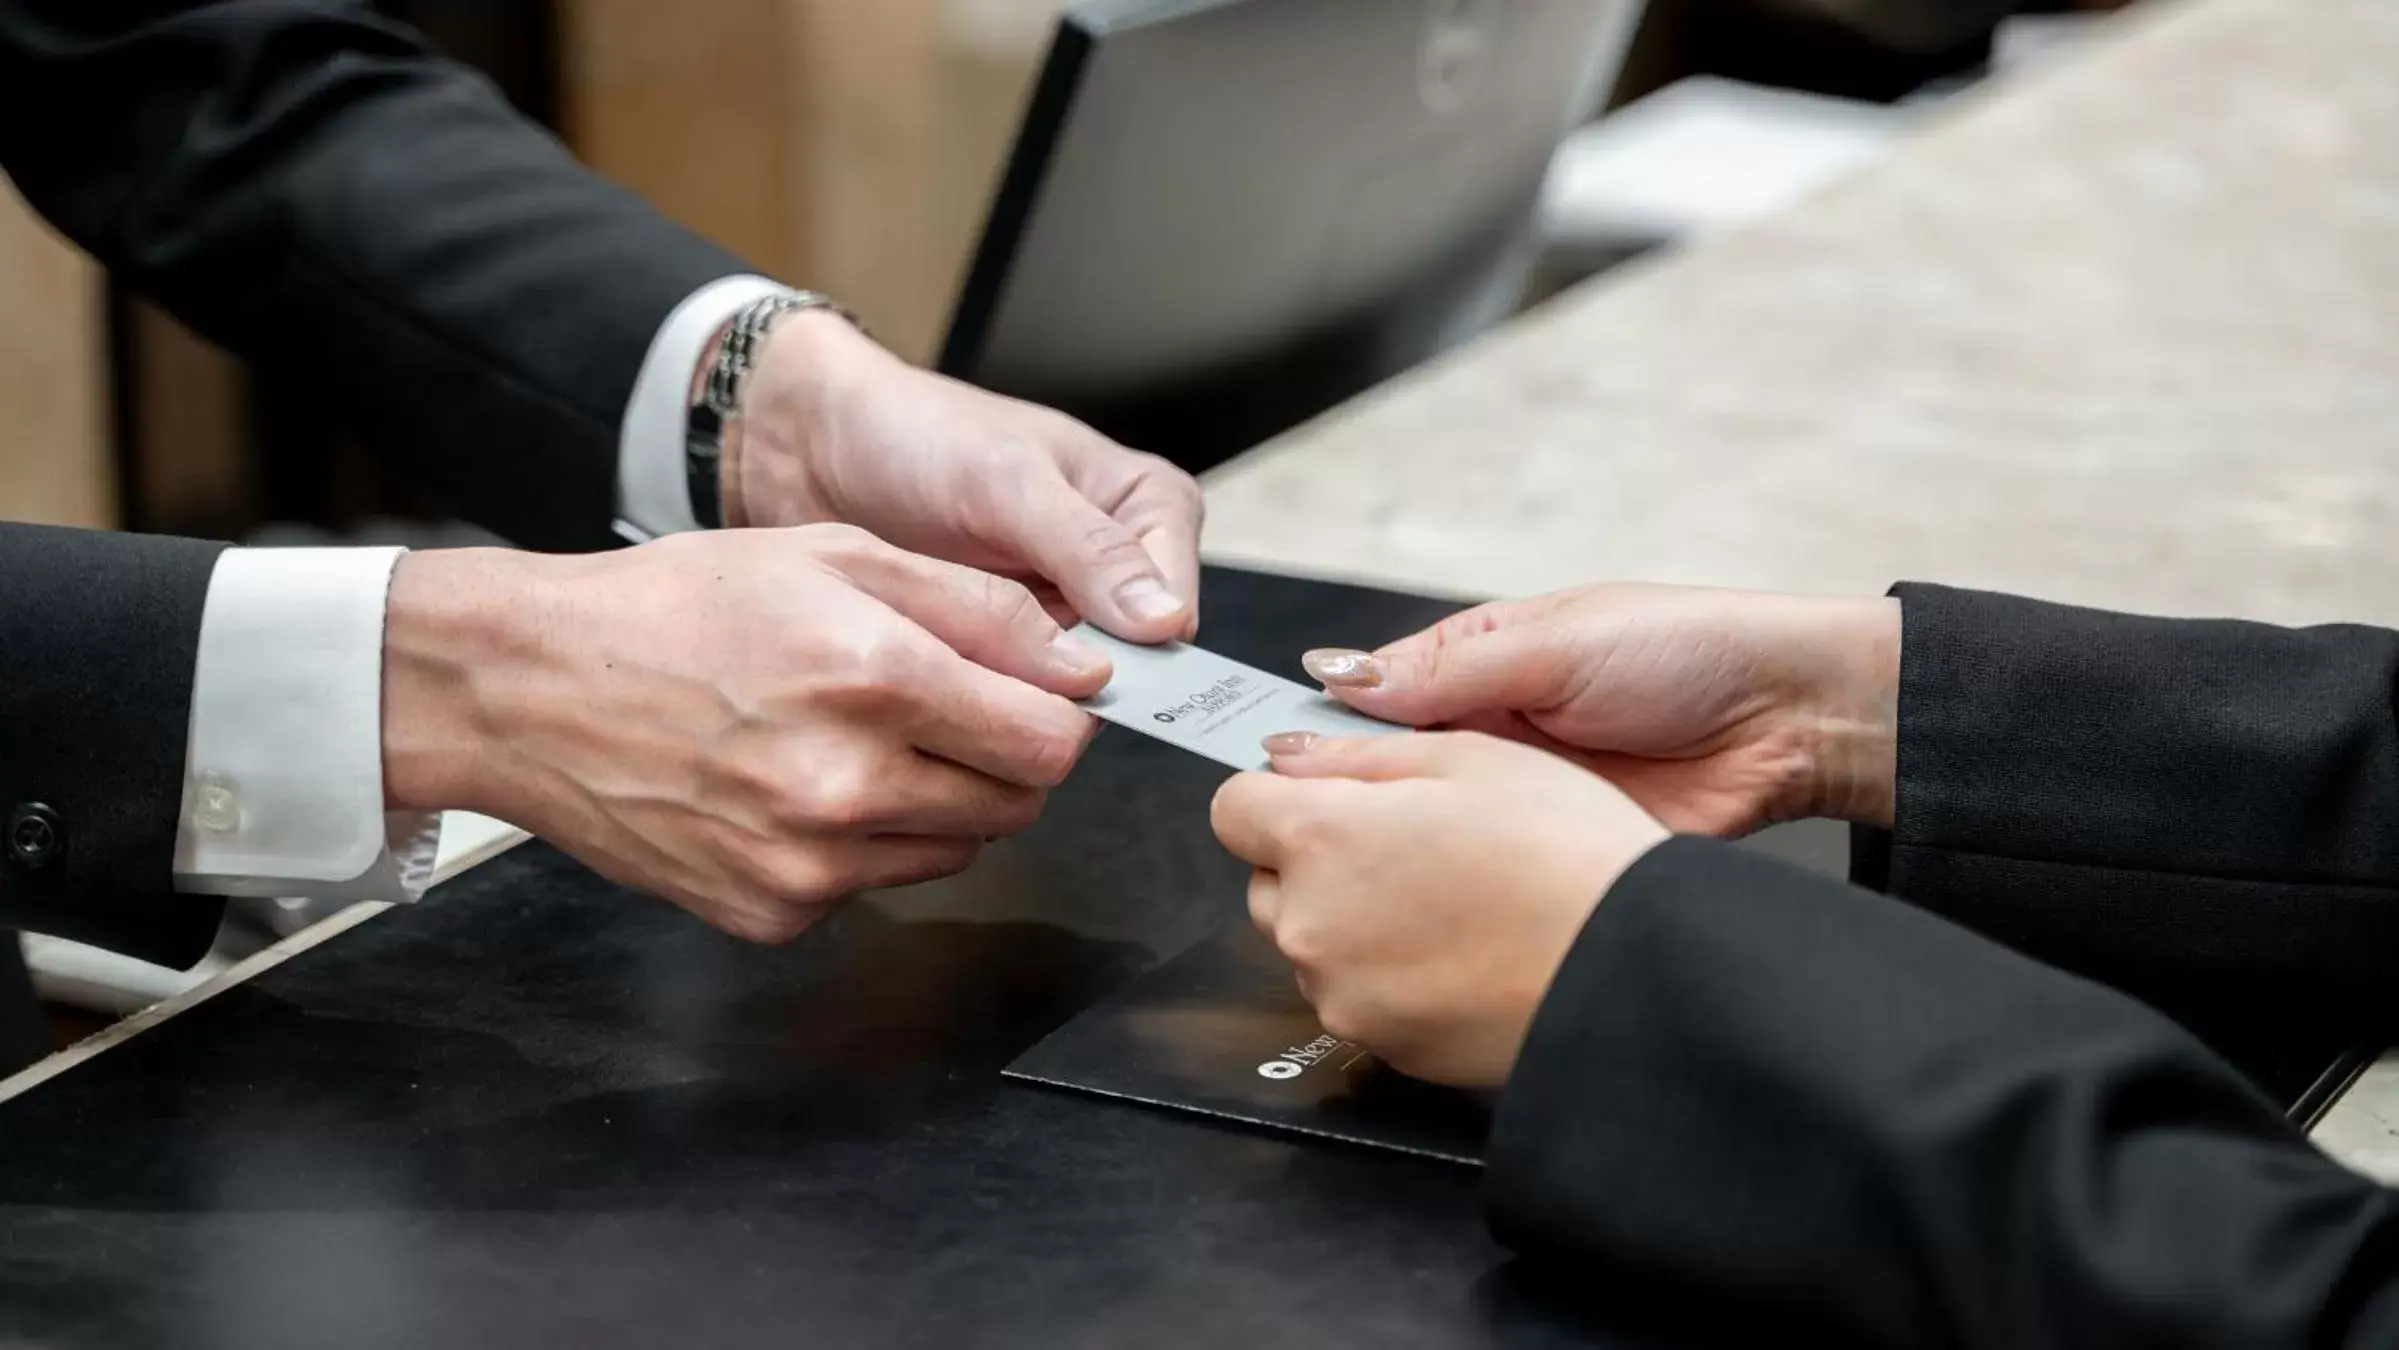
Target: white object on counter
1705 154
102 981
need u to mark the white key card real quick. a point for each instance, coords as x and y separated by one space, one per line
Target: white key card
1211 705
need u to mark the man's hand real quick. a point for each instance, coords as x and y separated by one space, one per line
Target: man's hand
1427 888
1719 711
752 723
835 428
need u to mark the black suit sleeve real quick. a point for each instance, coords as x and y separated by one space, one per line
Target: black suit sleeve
2204 814
98 635
1795 1108
309 184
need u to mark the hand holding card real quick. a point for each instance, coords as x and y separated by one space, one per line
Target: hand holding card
1427 889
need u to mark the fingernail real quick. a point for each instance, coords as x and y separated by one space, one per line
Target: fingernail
1147 598
1291 743
1074 658
1344 668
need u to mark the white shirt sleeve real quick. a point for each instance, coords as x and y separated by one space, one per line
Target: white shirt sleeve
283 775
653 491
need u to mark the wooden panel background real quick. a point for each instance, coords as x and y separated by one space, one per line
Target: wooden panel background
55 463
840 145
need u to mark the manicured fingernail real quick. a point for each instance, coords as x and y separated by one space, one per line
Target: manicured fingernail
1147 598
1343 668
1073 658
1291 743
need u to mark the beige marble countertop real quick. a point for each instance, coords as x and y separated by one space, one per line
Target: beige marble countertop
2124 332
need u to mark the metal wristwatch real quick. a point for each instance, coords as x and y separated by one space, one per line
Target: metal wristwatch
719 398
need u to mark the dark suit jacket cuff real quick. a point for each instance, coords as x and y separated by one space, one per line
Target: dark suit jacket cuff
1641 1130
2196 812
98 636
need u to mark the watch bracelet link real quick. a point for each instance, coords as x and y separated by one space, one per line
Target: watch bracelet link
721 389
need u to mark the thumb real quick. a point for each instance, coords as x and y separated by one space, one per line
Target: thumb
1103 568
1447 676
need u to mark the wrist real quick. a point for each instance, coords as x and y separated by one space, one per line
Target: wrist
454 618
788 425
1852 711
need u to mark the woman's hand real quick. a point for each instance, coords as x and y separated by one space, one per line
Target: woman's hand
1718 711
1427 887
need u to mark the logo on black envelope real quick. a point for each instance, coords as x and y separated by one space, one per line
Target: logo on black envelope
1214 699
1300 1058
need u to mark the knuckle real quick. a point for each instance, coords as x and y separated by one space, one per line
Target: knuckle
1261 914
842 795
1303 943
795 804
877 666
1346 1019
797 883
1018 813
1008 602
952 861
1233 805
1050 758
1106 544
840 541
1427 667
770 927
1171 481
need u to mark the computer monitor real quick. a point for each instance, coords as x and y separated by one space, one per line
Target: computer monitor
1225 216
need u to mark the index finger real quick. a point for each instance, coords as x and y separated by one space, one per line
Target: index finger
1001 726
1495 658
990 620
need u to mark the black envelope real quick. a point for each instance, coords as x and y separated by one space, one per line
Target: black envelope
1222 1031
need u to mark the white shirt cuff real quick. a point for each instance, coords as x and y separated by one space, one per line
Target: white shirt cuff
283 774
653 490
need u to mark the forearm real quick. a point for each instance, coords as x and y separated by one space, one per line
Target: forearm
1765 1091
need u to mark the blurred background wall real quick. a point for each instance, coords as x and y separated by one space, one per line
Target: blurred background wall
54 465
